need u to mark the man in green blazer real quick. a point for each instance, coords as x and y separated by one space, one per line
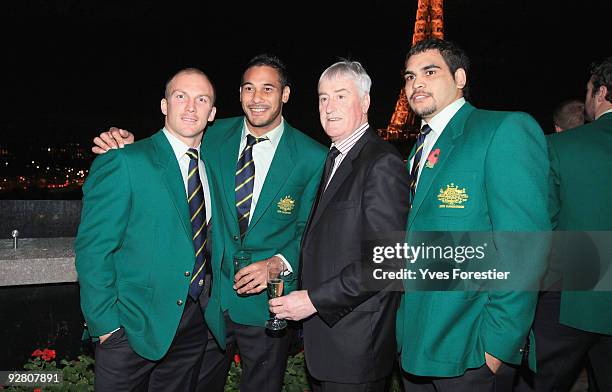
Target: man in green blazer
136 253
288 169
288 166
479 172
571 326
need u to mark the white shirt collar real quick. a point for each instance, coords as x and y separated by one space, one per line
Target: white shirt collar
441 120
606 112
273 135
178 146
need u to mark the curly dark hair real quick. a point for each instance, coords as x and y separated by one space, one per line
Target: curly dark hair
601 75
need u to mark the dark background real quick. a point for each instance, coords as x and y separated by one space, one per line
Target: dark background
74 68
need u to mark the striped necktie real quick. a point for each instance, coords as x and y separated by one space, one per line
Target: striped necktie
416 163
197 210
245 178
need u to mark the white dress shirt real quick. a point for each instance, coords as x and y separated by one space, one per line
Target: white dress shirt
437 124
263 154
180 152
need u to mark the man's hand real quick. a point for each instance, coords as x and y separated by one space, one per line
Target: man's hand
492 362
104 337
294 306
252 279
113 138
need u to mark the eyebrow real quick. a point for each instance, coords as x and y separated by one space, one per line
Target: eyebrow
252 84
425 68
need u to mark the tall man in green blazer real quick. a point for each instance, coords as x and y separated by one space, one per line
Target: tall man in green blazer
573 325
288 166
496 164
136 249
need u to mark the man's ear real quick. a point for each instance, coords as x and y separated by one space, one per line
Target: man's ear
164 106
460 78
286 93
365 104
602 91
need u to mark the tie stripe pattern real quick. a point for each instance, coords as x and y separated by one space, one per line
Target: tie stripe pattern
416 163
245 178
197 211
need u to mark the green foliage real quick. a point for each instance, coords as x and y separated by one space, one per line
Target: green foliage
78 374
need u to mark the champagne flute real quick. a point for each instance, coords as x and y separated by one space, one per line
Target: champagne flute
275 289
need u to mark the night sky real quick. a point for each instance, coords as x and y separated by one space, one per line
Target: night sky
74 68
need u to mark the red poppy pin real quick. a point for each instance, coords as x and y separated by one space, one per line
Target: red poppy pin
432 159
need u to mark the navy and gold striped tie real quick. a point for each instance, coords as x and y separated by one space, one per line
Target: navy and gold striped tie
416 163
245 177
197 211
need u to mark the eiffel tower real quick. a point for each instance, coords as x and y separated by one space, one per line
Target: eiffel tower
429 23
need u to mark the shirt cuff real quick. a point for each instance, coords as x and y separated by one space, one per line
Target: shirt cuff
289 270
112 332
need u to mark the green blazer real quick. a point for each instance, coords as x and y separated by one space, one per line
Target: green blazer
501 161
277 223
581 200
134 245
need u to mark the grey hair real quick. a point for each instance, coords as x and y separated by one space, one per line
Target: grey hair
352 69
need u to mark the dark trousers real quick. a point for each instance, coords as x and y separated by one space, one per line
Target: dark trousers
263 358
562 352
481 379
119 368
328 386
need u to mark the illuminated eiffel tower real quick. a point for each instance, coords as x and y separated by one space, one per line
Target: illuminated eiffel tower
429 23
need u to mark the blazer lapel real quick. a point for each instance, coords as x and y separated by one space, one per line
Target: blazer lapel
172 178
341 174
280 169
446 143
228 158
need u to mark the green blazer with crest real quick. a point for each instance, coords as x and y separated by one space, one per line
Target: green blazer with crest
134 245
499 161
581 200
278 220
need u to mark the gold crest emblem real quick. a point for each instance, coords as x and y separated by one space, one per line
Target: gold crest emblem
286 205
452 197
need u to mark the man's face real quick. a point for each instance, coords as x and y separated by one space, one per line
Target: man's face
262 98
590 103
430 86
341 109
188 107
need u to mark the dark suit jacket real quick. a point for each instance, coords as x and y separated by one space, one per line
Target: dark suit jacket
580 200
351 338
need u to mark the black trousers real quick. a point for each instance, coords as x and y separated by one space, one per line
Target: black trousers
263 358
481 379
328 386
119 368
562 352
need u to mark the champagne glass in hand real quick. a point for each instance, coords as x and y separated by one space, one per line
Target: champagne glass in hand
275 289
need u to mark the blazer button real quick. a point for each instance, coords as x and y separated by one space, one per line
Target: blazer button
179 302
187 273
521 350
236 238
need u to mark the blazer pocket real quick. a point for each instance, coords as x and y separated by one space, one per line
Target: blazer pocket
341 205
454 194
134 303
288 203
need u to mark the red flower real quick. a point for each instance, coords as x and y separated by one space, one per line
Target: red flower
48 355
432 159
37 353
37 390
237 359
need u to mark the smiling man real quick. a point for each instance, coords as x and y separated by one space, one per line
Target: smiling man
348 324
264 176
460 340
141 248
